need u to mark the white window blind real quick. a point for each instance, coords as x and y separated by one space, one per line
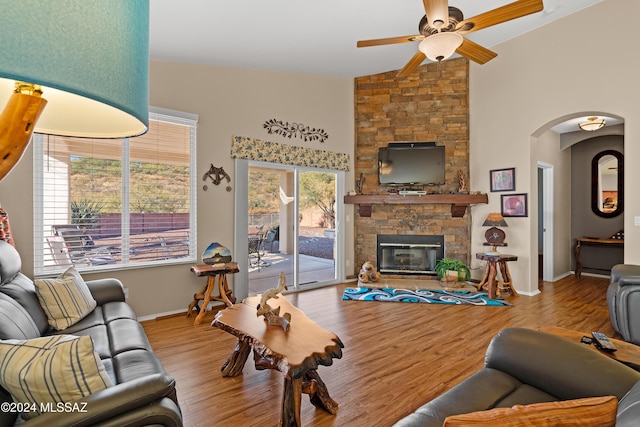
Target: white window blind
103 204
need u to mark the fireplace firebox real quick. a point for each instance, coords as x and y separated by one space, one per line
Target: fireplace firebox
409 254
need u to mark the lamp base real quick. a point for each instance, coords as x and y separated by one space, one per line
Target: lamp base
494 236
17 122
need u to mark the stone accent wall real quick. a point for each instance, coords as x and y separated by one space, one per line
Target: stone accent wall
430 105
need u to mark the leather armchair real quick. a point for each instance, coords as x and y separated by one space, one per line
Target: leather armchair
623 300
525 366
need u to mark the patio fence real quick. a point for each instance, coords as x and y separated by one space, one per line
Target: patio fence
109 224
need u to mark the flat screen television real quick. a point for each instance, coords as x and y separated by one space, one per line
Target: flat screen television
411 164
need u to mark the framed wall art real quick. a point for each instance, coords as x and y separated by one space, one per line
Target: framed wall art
514 205
503 179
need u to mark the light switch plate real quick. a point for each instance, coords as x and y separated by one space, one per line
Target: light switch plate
636 221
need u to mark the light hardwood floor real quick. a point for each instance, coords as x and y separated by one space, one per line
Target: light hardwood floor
397 356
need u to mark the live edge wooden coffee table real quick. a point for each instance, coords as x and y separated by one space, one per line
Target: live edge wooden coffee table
296 353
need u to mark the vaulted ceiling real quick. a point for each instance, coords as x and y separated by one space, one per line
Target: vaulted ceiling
314 37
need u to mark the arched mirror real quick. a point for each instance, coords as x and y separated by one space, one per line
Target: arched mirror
607 184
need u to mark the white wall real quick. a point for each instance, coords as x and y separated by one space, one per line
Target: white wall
585 62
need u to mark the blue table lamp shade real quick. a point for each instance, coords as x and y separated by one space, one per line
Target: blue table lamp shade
91 59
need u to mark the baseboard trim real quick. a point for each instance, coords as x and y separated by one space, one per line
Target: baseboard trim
529 294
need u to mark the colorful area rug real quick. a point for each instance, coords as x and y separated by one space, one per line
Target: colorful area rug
423 296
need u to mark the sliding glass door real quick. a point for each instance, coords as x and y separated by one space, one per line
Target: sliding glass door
291 226
316 227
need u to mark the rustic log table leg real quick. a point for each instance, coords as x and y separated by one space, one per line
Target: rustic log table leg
196 298
233 366
207 298
578 254
492 280
225 293
506 278
318 393
291 399
483 282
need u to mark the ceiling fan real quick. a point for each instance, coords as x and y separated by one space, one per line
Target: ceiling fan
442 27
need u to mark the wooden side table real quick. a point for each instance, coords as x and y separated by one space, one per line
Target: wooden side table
212 271
296 353
495 261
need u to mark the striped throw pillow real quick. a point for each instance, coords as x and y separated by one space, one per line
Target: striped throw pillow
49 370
66 299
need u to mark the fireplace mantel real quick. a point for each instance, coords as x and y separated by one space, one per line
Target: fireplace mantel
458 201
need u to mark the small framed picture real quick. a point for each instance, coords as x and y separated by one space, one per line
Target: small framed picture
514 205
503 179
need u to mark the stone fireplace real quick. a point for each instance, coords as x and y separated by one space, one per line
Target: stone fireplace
409 254
429 105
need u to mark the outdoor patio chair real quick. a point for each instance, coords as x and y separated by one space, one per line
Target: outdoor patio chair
271 237
256 248
63 257
71 242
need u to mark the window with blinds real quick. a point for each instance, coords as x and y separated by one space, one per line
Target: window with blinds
112 203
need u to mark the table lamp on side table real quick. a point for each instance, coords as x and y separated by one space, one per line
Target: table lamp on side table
494 236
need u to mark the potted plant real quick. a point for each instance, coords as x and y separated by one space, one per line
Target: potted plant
452 270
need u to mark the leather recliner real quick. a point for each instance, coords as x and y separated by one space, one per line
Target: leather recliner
623 300
526 366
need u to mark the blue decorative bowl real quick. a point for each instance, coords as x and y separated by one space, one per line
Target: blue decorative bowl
216 254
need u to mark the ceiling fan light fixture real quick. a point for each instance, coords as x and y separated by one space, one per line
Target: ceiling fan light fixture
440 46
592 124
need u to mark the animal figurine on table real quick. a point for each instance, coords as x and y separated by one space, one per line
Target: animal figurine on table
368 273
272 315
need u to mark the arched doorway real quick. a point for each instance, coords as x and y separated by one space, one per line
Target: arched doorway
552 156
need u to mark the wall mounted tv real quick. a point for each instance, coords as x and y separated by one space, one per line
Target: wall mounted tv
411 164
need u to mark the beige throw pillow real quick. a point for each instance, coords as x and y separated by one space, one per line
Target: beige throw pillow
50 370
66 299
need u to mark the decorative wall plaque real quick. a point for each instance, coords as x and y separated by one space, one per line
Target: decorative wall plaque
216 175
298 130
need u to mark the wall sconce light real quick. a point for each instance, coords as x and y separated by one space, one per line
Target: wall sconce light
591 124
88 58
494 236
440 46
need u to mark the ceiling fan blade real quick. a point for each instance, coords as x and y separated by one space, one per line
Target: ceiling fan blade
412 64
390 40
474 52
502 14
437 12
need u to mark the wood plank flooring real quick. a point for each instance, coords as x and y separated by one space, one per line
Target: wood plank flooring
397 356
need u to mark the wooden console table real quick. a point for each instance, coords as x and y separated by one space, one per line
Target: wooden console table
580 241
212 271
626 353
458 201
495 261
296 353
